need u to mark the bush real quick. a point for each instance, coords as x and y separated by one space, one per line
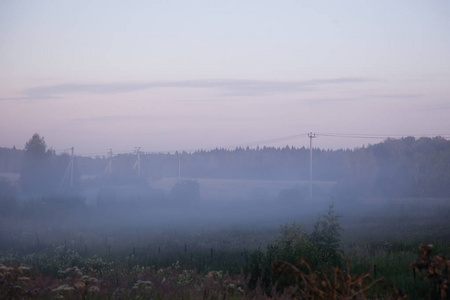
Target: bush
435 270
295 246
326 238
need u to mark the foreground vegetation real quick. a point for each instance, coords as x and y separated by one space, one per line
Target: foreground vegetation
65 274
308 261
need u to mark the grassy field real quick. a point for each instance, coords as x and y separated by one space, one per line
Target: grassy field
206 251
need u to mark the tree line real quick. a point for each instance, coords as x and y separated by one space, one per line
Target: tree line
406 167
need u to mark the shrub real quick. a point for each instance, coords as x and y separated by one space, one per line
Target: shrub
320 249
326 238
435 270
335 284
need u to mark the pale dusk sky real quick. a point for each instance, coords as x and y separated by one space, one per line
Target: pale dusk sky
174 75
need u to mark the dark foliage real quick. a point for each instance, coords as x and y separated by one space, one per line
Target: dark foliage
435 270
295 246
42 170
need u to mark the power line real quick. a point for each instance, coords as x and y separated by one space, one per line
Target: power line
231 146
276 140
268 141
377 136
61 150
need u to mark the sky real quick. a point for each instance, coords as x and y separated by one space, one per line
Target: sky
186 75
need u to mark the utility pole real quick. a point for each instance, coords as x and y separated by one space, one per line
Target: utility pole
138 161
68 175
110 161
71 168
311 136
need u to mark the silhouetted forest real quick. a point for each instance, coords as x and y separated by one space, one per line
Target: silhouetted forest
394 167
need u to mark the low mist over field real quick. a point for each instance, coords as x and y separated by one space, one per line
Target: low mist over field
261 187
